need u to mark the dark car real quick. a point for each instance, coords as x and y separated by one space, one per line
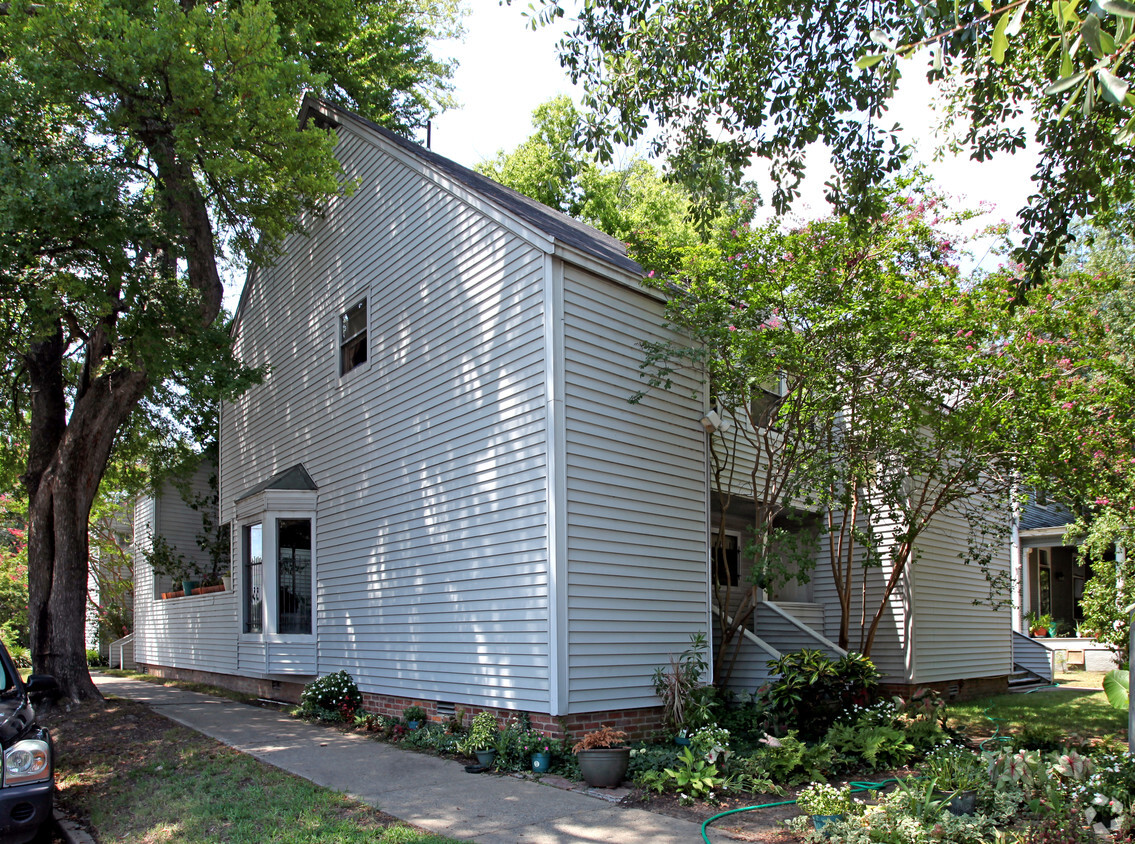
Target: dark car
26 778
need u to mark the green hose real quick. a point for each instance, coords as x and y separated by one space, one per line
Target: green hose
855 787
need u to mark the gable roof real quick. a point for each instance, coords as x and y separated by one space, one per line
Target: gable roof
554 224
295 477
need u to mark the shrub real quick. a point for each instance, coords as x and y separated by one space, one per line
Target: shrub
814 691
679 685
651 758
334 697
482 734
874 747
789 760
94 658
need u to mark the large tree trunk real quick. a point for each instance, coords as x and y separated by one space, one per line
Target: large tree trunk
62 488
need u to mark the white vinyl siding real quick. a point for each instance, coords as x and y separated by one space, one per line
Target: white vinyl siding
890 651
953 636
195 632
637 583
431 526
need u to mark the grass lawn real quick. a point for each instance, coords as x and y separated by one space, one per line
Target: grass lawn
132 776
1063 711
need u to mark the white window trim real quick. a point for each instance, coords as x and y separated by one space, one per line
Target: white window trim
249 513
362 298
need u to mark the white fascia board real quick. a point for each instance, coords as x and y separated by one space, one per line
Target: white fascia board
1034 537
633 281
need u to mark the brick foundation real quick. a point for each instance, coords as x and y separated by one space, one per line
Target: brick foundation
638 723
282 690
956 690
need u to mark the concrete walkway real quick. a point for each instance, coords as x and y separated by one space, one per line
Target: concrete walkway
430 792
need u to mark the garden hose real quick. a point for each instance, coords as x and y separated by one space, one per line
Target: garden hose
997 738
855 788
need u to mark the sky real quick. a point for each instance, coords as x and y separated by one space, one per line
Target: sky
506 70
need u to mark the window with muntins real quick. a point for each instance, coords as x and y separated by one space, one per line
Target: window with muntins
253 578
353 337
293 576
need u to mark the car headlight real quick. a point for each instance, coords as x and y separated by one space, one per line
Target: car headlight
27 761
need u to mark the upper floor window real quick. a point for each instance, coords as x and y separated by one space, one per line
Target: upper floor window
353 337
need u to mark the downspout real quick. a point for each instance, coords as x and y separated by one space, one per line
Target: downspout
1016 566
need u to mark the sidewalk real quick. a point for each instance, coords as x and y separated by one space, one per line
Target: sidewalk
430 792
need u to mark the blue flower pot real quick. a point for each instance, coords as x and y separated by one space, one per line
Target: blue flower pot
541 762
820 821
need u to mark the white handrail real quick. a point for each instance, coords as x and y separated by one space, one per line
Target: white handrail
804 627
750 635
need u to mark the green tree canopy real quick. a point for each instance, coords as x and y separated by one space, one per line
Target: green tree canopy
140 142
731 82
633 202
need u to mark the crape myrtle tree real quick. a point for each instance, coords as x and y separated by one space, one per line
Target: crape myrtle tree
716 85
141 142
857 368
1070 354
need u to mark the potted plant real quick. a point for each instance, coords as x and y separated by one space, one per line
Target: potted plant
1039 624
414 716
165 561
679 686
958 774
539 748
482 739
603 757
827 804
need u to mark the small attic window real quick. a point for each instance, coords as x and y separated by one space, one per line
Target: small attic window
353 337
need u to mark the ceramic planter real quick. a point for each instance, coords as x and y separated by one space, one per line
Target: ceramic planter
820 821
486 757
682 741
541 762
187 586
962 803
604 767
413 725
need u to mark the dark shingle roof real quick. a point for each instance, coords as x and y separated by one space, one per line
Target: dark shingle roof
295 477
553 223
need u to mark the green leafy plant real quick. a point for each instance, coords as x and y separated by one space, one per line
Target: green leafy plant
482 734
1116 685
414 713
823 799
814 690
679 685
695 777
956 768
924 799
165 561
790 761
334 697
874 747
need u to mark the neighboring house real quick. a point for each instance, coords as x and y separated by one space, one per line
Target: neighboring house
1050 578
442 487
